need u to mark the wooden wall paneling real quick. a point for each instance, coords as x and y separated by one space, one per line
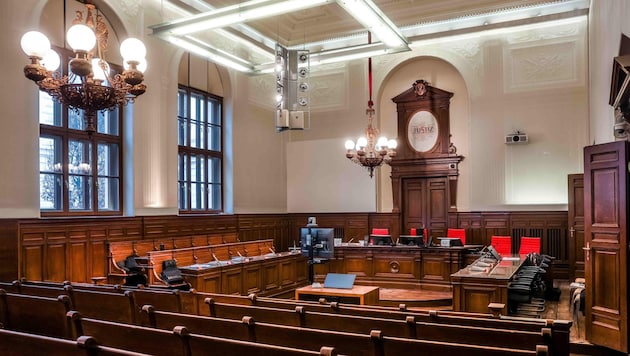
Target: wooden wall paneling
287 273
32 247
473 224
275 275
382 220
434 268
9 250
495 224
231 282
56 264
252 278
171 226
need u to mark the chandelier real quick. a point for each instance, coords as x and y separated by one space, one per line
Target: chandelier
368 151
89 86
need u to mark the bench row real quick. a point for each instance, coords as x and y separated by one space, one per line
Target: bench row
495 333
181 334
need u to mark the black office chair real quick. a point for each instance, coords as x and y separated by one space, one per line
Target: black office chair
526 291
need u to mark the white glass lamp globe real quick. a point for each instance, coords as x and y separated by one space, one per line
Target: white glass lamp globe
142 65
35 44
362 142
97 70
81 38
382 142
349 145
51 60
392 144
132 49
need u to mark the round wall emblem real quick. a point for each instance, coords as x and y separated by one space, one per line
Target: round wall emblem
422 131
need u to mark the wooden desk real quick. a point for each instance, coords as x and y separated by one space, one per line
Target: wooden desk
473 291
356 295
408 267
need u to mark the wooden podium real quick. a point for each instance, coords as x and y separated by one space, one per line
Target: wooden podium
357 295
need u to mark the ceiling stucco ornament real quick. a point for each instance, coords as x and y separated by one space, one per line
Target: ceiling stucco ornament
129 8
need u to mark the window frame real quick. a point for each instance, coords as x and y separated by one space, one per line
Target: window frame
186 152
66 135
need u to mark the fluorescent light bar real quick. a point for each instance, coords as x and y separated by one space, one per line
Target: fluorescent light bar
373 19
209 53
234 14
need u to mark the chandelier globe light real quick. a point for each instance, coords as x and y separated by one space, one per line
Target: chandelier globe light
89 86
371 151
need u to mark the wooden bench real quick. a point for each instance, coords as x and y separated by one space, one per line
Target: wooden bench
372 343
25 344
33 314
409 328
118 307
204 254
118 251
560 329
178 341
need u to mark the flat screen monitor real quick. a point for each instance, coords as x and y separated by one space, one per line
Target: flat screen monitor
320 239
381 240
411 240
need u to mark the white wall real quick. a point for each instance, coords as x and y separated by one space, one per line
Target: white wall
607 21
529 78
534 80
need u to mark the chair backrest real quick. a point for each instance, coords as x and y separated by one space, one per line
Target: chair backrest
461 233
503 244
529 245
380 231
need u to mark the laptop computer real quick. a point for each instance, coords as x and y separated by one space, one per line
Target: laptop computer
339 280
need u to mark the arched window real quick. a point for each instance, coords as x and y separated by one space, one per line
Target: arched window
79 174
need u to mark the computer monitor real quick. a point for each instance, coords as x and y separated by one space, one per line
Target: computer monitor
411 240
320 239
381 240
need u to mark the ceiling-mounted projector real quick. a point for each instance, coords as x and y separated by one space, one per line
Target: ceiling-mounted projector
517 137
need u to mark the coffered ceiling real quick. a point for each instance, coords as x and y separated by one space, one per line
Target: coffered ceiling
329 28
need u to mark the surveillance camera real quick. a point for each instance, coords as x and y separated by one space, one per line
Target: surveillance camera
515 138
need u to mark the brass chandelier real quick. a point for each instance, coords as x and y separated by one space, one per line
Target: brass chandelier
368 151
89 86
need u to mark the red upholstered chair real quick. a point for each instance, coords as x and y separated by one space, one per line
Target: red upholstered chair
528 245
379 231
503 244
461 233
413 231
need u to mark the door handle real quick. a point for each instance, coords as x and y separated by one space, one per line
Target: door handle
572 232
588 250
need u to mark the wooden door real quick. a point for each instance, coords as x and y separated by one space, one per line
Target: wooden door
576 225
414 197
605 224
425 204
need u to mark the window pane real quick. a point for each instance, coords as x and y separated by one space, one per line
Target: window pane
215 138
75 119
108 158
108 193
197 196
214 170
181 103
183 197
214 196
50 154
214 112
182 137
80 192
50 193
80 157
108 122
49 110
197 169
